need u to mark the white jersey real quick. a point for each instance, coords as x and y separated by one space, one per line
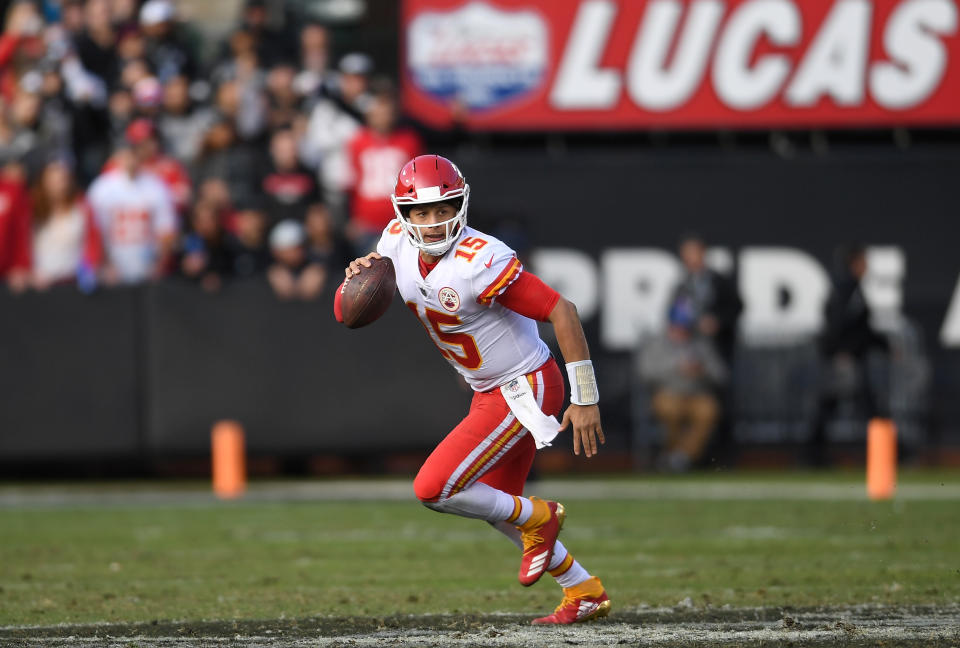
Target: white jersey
132 214
487 343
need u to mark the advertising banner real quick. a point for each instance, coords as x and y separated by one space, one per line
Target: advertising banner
681 64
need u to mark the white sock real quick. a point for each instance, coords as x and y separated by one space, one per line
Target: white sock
573 576
526 510
559 555
479 501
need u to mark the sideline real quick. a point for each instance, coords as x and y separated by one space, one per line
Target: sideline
160 494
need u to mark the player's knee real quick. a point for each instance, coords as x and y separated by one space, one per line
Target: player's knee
427 488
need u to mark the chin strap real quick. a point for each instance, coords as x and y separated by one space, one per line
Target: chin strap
583 383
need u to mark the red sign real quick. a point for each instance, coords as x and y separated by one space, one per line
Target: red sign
622 64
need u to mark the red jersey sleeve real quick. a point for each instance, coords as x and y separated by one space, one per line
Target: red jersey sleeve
530 297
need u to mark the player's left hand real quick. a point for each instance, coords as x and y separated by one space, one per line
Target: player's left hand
586 427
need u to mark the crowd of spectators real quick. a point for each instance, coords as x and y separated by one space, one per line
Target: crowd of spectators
129 152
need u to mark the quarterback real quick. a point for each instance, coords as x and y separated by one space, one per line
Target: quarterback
480 307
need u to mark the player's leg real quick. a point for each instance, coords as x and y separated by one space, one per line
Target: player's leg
448 481
452 480
489 439
581 590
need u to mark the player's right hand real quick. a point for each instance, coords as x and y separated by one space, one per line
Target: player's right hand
360 262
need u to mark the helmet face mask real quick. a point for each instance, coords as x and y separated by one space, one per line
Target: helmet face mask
431 179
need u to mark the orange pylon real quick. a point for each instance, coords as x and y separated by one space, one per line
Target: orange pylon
881 459
229 459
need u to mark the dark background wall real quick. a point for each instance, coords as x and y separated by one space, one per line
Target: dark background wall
146 371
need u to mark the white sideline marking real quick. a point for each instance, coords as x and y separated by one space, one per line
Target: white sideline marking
401 490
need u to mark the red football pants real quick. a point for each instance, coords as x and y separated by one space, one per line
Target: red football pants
489 445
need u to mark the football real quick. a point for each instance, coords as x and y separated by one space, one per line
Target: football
367 296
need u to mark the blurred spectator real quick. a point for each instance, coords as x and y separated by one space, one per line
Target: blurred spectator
96 46
24 137
142 136
123 13
244 105
147 94
273 44
848 334
314 77
14 228
21 45
206 257
325 246
284 103
291 275
56 112
216 192
847 340
377 153
235 163
132 72
136 218
169 47
288 185
121 111
334 120
64 238
131 46
712 297
243 63
72 18
247 244
683 371
182 124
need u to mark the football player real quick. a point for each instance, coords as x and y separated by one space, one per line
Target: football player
481 307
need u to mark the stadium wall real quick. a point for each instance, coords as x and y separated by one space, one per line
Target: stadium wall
145 371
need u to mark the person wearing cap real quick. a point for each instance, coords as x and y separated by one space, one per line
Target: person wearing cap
683 371
134 213
169 47
291 275
141 136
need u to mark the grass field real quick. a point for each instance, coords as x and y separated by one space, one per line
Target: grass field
768 544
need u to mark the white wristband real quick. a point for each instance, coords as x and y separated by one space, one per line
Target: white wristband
583 383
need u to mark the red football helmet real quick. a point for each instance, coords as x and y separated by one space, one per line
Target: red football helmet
429 179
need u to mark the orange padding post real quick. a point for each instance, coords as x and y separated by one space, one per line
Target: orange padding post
229 459
881 459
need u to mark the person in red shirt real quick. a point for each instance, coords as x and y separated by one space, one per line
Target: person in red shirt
14 228
377 152
142 135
